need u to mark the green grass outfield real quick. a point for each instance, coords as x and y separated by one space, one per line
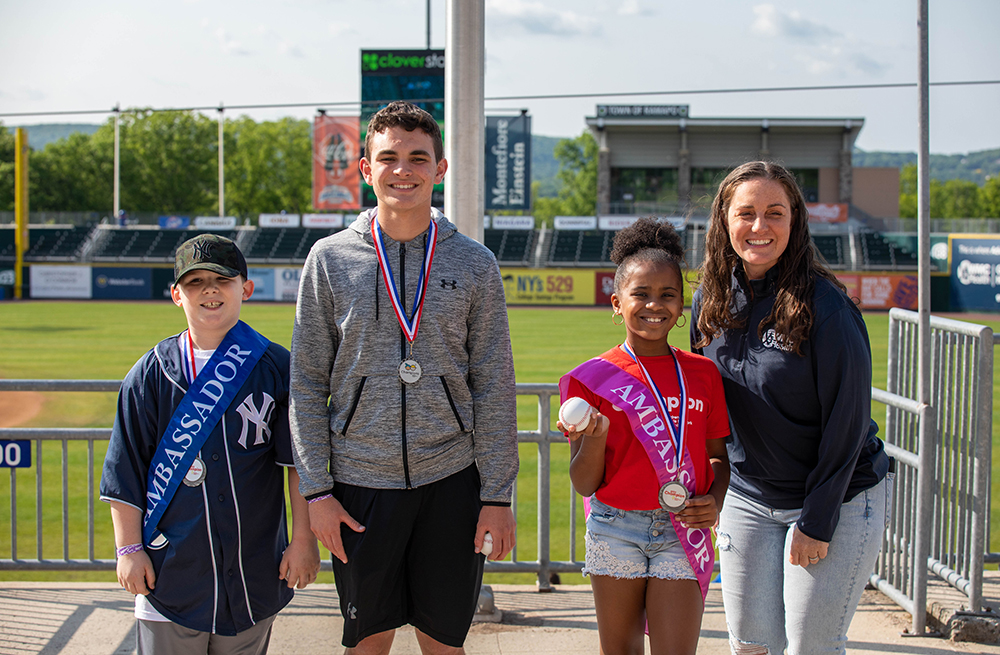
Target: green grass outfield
101 340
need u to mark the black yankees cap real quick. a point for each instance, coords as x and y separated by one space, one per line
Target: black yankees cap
209 252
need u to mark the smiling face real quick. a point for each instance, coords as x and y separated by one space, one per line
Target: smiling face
759 221
402 170
211 303
651 299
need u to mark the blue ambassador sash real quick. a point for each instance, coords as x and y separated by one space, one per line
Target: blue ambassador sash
207 399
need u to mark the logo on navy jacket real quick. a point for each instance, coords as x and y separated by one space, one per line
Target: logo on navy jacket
258 417
772 339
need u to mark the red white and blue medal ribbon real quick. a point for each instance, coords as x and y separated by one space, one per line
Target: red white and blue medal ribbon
673 494
409 369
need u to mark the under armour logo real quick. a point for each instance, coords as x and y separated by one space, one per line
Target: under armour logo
449 284
203 251
259 418
352 611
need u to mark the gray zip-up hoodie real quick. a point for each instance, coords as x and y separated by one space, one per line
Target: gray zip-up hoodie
353 420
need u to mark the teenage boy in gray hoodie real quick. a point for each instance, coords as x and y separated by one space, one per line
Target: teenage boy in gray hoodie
402 401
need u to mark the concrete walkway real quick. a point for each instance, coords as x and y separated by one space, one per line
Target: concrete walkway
96 619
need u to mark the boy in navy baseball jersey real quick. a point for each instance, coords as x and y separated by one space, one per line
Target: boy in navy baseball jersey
194 472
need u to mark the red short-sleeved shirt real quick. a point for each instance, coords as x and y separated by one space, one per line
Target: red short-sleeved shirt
630 482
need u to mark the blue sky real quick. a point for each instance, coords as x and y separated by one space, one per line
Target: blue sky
61 56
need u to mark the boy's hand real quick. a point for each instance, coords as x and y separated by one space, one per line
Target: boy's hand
135 573
299 563
325 518
700 512
499 522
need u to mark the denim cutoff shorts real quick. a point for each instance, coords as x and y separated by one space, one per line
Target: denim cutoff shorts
634 544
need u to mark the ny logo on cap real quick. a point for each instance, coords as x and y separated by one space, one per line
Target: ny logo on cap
203 250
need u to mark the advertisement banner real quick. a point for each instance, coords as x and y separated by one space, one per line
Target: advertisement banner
163 278
512 223
336 151
330 221
7 277
575 222
263 283
604 286
60 281
550 286
215 222
615 223
122 283
827 213
882 291
174 222
642 111
975 272
286 283
278 220
508 162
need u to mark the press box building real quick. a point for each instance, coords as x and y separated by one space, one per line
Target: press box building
658 159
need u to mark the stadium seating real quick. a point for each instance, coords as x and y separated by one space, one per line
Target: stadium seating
879 254
6 244
831 247
56 244
510 246
286 244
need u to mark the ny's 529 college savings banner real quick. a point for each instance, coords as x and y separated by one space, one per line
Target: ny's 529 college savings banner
336 151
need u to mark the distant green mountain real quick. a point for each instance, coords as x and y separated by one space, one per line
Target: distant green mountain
40 136
974 166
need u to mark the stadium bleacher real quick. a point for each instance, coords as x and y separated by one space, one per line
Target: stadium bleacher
831 247
510 246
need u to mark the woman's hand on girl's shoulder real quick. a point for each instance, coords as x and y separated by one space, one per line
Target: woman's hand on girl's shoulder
597 428
700 512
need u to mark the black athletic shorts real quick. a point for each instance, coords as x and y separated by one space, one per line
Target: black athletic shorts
415 563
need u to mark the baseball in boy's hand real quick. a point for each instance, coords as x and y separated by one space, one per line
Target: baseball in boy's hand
575 413
487 545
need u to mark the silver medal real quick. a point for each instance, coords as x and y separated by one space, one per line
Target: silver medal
673 496
409 371
196 474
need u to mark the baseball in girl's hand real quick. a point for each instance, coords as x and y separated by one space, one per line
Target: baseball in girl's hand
575 413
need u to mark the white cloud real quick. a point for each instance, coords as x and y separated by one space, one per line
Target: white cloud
537 18
818 48
771 22
632 8
228 45
338 28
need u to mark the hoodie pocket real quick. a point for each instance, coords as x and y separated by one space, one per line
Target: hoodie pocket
451 403
354 405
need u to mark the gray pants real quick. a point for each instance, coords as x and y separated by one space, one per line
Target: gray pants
168 638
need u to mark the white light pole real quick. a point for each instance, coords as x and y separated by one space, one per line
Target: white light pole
464 72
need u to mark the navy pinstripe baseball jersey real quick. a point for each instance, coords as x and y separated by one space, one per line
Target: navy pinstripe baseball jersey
218 571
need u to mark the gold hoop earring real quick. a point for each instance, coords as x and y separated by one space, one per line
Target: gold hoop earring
679 324
613 315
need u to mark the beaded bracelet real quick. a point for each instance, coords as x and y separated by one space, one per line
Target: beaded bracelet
128 550
316 500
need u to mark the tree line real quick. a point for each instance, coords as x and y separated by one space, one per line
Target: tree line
169 165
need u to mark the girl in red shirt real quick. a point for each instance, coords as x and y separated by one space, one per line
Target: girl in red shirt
652 458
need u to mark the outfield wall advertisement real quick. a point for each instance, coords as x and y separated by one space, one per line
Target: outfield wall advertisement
975 273
975 283
548 286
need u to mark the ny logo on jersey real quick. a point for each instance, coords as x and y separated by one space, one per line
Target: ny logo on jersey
259 418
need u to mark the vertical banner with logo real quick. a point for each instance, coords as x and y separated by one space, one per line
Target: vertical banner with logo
336 151
413 75
975 273
508 162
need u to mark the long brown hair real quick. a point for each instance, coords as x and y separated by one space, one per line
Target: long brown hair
797 268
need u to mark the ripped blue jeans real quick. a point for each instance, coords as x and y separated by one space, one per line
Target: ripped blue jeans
770 604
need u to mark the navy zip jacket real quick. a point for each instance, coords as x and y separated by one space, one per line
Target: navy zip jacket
802 432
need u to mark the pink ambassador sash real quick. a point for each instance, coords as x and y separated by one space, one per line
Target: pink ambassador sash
629 394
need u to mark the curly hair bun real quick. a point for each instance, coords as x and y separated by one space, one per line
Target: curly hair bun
647 234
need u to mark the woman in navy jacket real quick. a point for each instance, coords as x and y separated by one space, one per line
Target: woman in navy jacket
803 520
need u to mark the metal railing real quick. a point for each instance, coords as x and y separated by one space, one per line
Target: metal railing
542 436
943 453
